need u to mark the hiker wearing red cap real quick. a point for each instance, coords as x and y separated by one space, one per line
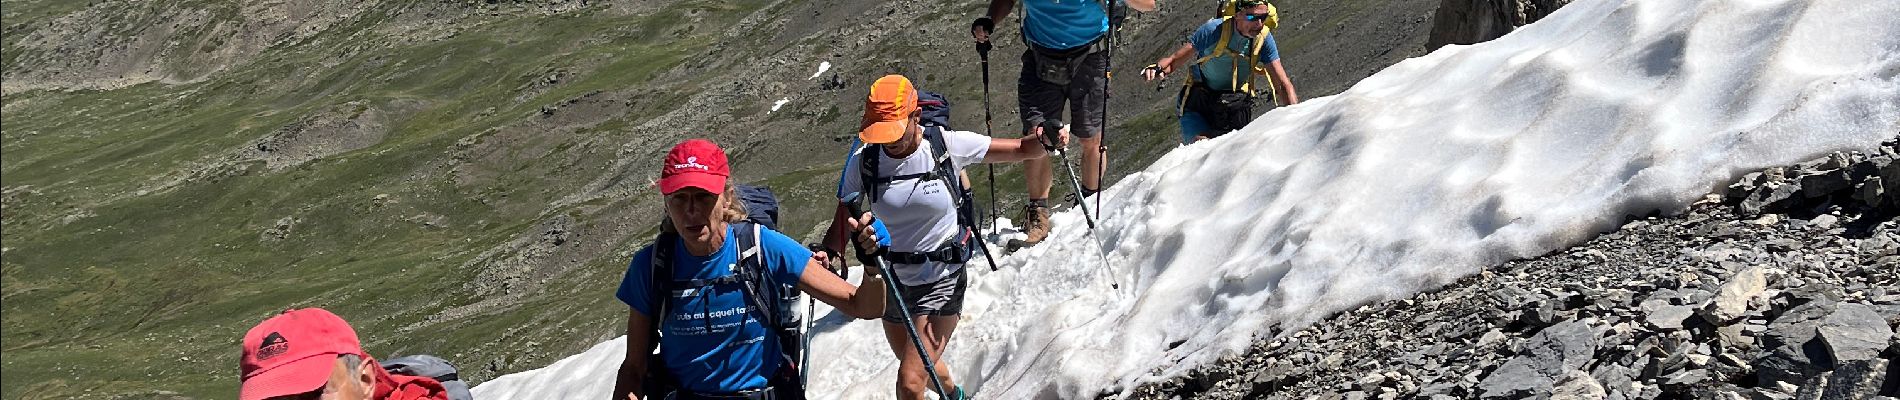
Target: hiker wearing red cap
705 286
312 354
914 198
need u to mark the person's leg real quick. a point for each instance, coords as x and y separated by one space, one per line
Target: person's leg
1037 101
911 381
936 338
1088 100
1192 126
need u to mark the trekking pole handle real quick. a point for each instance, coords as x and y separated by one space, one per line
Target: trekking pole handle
1050 128
983 50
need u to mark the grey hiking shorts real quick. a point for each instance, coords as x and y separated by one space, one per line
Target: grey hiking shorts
1084 95
941 298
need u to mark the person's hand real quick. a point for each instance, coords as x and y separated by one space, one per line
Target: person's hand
981 28
1158 70
867 234
1051 142
1198 138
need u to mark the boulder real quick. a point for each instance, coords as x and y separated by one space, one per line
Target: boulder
1546 357
1731 300
1854 332
1858 380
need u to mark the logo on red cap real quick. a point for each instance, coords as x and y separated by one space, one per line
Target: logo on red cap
274 345
694 163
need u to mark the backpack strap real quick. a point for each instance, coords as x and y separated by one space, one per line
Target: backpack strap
660 282
752 275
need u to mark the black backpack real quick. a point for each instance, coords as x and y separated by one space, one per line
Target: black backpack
934 108
431 367
772 303
964 247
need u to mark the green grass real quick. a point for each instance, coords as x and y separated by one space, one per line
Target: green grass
147 293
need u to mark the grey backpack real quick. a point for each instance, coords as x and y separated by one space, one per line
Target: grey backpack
434 368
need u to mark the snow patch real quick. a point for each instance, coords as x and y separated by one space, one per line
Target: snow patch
1426 172
822 67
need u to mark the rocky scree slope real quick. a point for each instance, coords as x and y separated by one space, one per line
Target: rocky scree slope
1785 287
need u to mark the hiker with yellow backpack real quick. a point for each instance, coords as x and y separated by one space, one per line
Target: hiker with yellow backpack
1228 53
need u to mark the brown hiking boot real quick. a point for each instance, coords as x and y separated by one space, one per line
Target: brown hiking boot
1035 223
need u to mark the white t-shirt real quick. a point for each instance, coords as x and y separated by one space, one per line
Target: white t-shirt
920 213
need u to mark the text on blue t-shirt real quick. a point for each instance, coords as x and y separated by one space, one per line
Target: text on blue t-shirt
711 340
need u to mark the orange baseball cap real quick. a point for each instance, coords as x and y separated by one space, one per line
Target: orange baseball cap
887 111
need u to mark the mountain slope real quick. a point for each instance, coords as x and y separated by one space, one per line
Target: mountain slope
1426 172
457 178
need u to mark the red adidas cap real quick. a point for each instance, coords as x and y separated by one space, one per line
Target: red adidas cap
293 353
694 163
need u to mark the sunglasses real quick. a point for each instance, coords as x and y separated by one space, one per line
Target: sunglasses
1257 17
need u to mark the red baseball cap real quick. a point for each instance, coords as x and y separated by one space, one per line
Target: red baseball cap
293 353
694 163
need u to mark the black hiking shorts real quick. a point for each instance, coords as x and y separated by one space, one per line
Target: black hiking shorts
1084 94
941 298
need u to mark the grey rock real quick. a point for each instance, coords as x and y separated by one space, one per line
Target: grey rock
1731 300
1770 198
1858 380
1793 352
1669 318
1853 333
1686 377
1545 358
1541 313
1824 222
1577 385
1784 245
1823 183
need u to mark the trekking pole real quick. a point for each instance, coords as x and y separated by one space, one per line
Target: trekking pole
1117 12
983 53
1075 184
891 287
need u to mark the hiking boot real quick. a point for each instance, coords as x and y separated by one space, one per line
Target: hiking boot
1035 222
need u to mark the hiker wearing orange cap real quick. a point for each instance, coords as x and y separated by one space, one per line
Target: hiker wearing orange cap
312 354
705 293
908 173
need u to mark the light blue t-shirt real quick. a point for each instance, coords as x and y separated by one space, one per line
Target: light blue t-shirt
713 342
1063 24
1222 68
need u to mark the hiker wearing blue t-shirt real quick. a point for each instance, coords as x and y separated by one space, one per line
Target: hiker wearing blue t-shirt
715 340
1220 95
1065 65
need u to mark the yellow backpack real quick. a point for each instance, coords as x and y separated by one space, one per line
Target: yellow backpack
1228 11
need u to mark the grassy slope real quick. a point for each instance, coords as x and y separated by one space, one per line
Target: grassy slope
108 291
146 293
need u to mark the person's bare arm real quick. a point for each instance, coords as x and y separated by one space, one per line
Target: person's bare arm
1141 5
634 367
864 301
1167 65
998 10
1024 148
1285 85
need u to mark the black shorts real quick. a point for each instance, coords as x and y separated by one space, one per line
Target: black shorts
1038 99
941 298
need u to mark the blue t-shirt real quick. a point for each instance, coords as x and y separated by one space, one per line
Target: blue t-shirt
712 341
1222 68
1063 24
